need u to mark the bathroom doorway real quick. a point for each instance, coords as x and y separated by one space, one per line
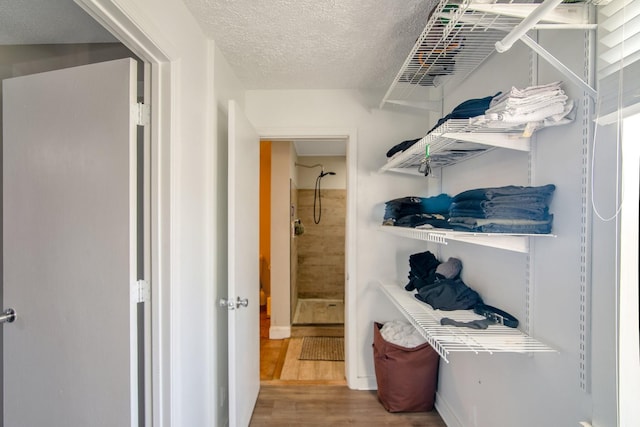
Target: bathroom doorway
318 244
311 304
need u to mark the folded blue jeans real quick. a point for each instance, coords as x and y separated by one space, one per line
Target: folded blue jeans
509 190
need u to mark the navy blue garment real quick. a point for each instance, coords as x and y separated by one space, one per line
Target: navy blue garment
449 294
422 271
404 145
467 109
410 205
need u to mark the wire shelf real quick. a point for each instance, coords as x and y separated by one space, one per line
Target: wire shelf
458 37
450 339
454 141
510 242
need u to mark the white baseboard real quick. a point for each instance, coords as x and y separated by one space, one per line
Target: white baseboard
279 332
448 416
363 383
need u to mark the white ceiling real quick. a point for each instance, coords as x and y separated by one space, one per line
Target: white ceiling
313 44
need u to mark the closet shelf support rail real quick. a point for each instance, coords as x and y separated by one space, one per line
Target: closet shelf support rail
519 33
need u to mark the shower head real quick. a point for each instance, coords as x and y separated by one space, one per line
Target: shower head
323 174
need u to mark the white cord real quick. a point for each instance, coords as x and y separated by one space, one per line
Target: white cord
618 188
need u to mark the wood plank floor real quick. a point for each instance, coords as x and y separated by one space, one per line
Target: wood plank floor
327 405
317 394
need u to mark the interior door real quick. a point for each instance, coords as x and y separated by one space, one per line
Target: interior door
243 288
69 223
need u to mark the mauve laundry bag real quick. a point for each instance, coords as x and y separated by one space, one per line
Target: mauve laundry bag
407 377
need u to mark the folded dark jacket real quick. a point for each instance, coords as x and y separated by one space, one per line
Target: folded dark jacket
449 294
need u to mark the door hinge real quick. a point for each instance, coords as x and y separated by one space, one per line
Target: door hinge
140 291
141 114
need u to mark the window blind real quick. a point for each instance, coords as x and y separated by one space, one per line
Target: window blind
618 60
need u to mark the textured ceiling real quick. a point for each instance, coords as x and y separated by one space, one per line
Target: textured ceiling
313 44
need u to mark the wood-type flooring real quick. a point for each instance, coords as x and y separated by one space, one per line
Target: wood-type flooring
314 393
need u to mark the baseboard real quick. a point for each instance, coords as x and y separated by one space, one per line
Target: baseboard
448 416
279 332
363 383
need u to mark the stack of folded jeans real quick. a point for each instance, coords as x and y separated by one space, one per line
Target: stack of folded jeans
534 106
510 209
413 211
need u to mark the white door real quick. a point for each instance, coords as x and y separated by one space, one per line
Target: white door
244 287
69 207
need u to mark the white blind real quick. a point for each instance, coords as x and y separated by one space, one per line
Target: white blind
618 59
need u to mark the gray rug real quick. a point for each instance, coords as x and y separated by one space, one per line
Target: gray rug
322 348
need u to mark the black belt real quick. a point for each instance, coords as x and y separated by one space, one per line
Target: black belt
497 315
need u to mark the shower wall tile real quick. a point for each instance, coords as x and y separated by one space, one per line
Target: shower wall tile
321 248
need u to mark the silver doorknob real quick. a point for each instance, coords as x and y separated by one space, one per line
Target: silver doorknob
8 316
242 302
229 304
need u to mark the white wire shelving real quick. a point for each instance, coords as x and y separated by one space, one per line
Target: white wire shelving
454 141
461 34
510 242
450 339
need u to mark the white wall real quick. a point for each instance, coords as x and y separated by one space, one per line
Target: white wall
478 390
186 201
282 167
376 132
307 177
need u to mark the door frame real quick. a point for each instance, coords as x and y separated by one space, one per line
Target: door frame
350 136
162 68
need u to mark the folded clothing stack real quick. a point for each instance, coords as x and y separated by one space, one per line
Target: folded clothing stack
533 107
439 285
465 110
413 211
509 209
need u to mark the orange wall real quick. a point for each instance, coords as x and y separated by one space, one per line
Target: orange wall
265 213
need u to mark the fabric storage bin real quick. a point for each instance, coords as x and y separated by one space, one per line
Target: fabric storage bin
407 377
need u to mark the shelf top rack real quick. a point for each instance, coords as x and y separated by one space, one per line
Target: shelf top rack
510 242
459 36
454 141
449 339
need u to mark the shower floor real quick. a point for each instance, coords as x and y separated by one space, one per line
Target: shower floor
319 311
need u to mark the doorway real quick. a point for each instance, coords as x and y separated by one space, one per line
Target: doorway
309 286
36 58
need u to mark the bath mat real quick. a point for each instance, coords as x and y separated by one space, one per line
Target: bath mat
322 348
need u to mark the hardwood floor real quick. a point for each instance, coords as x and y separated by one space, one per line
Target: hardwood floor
279 358
313 405
314 393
